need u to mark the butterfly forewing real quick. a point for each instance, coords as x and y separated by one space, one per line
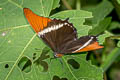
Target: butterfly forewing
38 23
58 34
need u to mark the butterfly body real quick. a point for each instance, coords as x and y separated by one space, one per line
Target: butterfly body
60 35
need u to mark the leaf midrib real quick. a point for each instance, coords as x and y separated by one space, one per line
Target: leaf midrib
21 54
69 68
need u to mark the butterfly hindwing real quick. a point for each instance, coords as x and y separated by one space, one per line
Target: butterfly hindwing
85 43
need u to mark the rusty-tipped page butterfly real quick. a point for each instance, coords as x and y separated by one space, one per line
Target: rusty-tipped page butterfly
60 35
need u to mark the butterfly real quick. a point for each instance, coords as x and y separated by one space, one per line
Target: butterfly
60 35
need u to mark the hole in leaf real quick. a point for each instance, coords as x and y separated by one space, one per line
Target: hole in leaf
25 64
74 63
34 56
57 78
6 66
40 60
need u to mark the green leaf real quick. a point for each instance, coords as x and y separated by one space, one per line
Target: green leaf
118 1
118 44
101 27
55 4
41 7
102 37
100 11
114 25
20 45
11 10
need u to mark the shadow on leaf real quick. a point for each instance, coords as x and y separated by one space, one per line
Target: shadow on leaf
57 78
74 63
25 64
40 60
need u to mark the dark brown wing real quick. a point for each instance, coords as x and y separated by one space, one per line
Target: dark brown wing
57 34
85 43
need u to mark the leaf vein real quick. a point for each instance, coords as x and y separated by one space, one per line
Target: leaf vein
15 4
42 7
69 69
20 56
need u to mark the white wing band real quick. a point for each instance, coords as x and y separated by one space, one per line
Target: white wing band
84 45
52 28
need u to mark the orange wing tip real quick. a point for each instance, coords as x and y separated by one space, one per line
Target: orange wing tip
30 16
38 23
27 11
91 47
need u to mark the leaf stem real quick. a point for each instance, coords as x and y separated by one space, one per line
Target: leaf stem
69 68
115 37
67 5
42 8
12 2
78 5
10 28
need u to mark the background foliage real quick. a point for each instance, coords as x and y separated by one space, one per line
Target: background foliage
23 56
